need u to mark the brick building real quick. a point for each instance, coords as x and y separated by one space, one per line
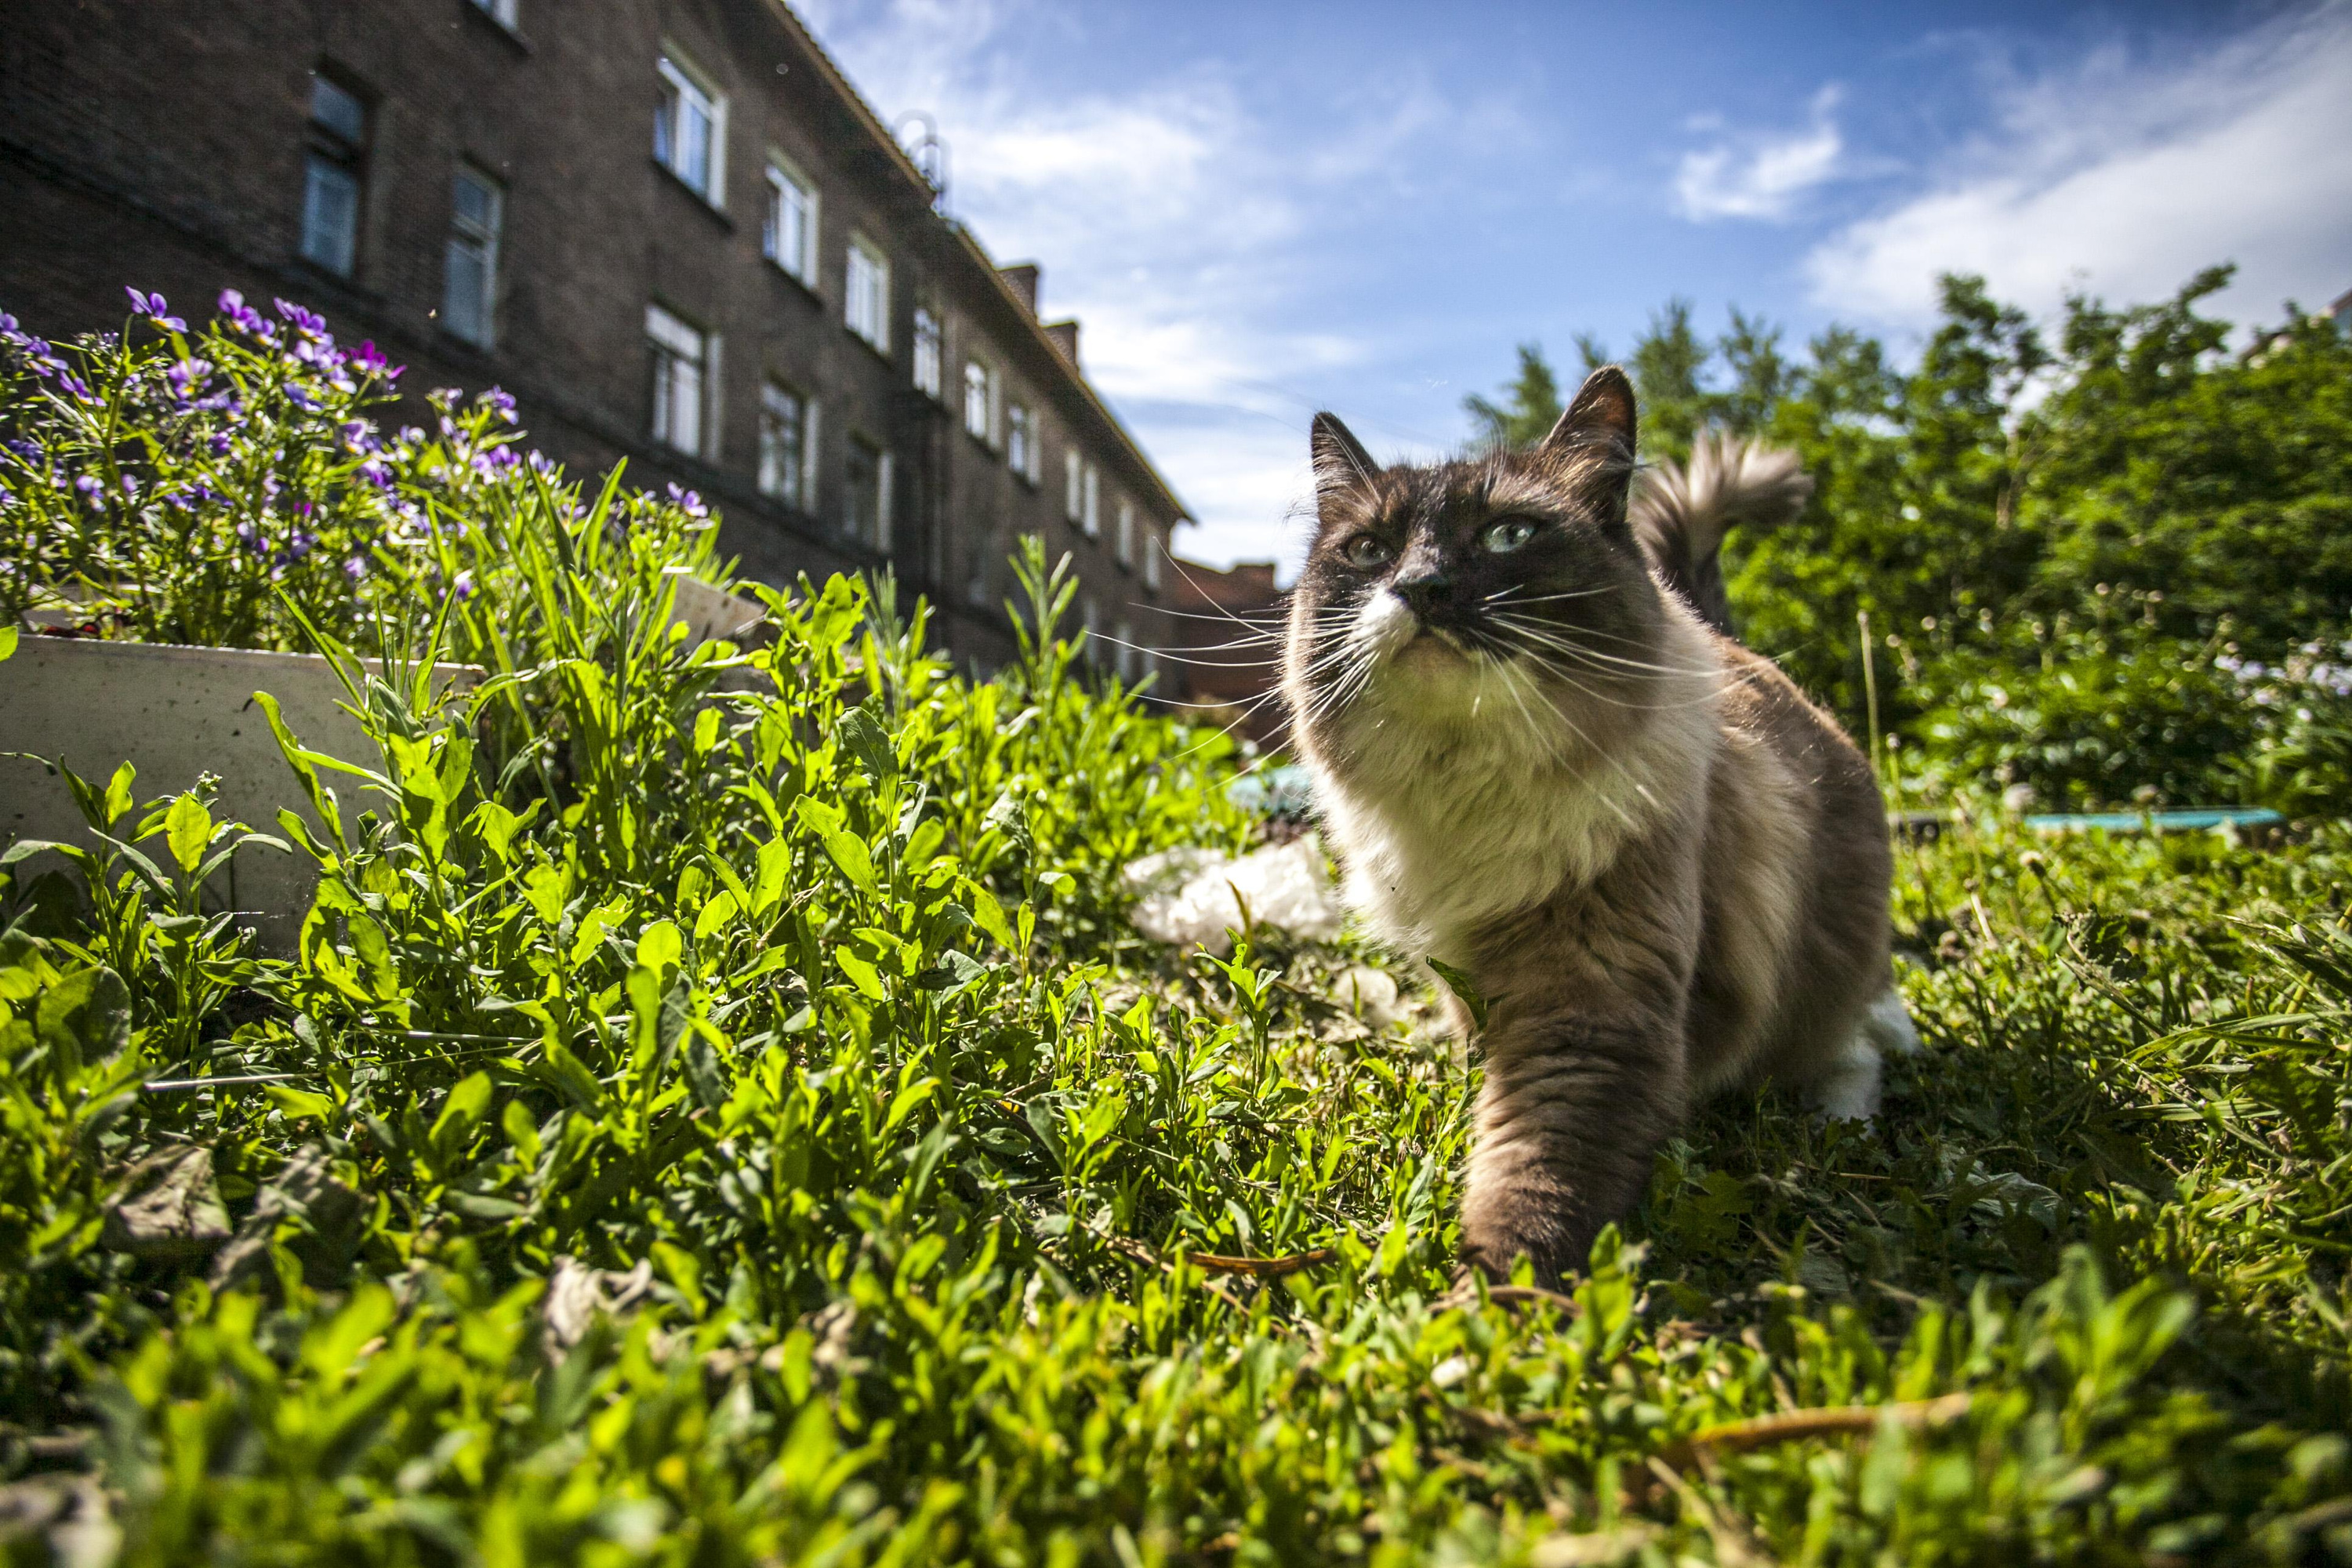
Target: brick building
1229 674
672 228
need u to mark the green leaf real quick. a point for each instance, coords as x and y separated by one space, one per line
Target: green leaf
7 641
714 916
188 830
862 735
117 794
861 973
297 1104
467 1103
847 851
659 946
1463 987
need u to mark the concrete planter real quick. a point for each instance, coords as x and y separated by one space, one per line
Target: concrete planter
176 714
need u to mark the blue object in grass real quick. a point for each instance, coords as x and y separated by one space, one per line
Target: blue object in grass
1272 791
2162 821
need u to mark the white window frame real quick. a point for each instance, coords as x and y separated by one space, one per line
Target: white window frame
676 341
1123 537
1152 550
794 484
1074 499
929 353
1021 441
1092 522
786 181
866 301
1123 634
467 235
978 397
688 85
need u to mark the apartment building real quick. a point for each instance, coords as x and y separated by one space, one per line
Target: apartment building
671 228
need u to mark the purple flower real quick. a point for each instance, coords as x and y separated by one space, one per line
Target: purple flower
301 398
502 400
370 358
219 443
7 325
464 586
354 568
689 501
78 386
158 313
307 322
90 491
129 485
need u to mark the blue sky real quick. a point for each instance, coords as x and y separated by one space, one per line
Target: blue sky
1257 210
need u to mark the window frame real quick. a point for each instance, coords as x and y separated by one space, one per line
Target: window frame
1074 507
1123 535
928 354
875 295
978 421
782 172
1091 525
490 237
852 526
1152 550
682 77
330 150
1020 443
795 485
662 326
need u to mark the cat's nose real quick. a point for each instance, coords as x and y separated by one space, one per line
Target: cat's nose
1424 591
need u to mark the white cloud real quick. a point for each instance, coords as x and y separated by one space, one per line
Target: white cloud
1760 175
1180 228
2125 179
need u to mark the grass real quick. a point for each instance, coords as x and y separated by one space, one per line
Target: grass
718 1114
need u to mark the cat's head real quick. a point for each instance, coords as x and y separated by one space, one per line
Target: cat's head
1485 590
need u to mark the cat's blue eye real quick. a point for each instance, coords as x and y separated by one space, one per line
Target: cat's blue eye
1506 534
1365 551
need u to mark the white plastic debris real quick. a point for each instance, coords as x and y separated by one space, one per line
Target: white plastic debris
1194 897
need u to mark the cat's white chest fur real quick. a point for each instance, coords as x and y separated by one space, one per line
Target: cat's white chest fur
1465 795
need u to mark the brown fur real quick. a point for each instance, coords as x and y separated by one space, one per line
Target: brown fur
1664 867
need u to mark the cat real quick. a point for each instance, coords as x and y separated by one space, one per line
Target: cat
1540 760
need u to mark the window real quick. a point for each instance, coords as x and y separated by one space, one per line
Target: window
868 307
685 366
1074 499
1151 553
865 515
331 177
979 394
926 352
502 11
1123 541
788 238
471 271
1124 635
691 130
1092 521
987 546
1088 619
788 447
1021 442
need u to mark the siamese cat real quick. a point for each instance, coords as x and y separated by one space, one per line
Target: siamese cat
1541 759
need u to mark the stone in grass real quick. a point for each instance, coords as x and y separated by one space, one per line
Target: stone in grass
325 1209
1197 897
578 1295
169 1207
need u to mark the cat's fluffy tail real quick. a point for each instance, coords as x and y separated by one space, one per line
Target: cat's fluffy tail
1682 510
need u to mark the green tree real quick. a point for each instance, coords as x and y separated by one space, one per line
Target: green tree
1531 404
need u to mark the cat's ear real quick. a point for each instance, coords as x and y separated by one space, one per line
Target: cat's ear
1601 416
1341 462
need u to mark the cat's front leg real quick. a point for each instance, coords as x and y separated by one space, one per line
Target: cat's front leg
1569 1121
